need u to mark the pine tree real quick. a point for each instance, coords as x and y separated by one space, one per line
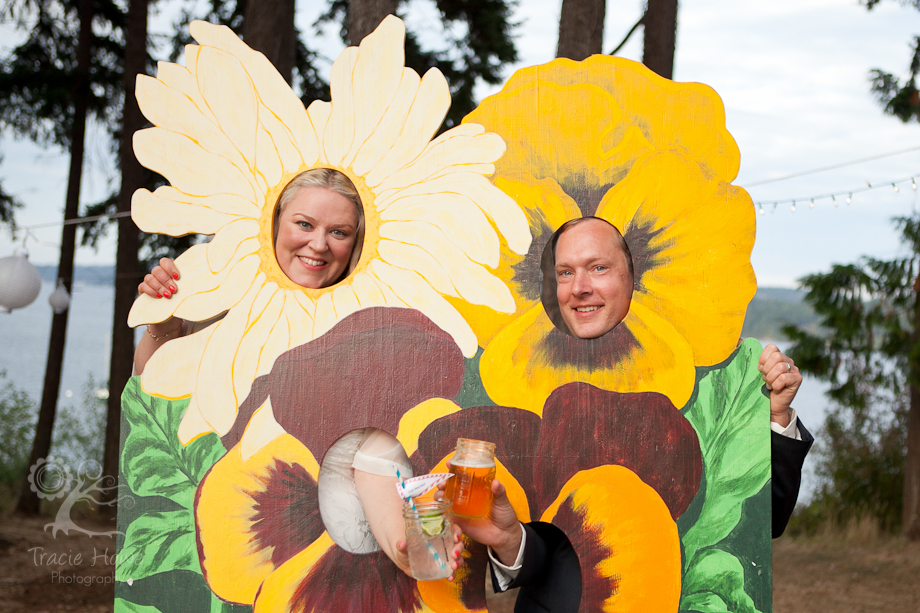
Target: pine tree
870 354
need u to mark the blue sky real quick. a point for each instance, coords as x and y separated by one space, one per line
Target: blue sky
793 75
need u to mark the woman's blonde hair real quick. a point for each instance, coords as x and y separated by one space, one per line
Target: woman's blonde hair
331 180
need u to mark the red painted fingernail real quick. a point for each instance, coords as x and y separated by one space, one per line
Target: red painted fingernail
176 276
159 296
167 294
172 288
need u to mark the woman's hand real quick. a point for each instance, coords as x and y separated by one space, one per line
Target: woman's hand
456 554
161 282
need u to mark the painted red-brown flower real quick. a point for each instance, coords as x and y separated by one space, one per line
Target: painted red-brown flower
612 471
261 539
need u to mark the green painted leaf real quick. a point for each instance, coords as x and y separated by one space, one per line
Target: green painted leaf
153 461
158 542
731 417
715 584
123 606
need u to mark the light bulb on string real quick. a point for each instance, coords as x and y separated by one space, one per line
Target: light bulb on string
913 184
793 206
811 204
761 209
835 200
850 198
869 184
895 187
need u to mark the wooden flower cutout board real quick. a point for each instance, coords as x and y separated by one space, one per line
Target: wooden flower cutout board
648 447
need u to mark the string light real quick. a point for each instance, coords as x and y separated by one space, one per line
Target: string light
761 209
849 193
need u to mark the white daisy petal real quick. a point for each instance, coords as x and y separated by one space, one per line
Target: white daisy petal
378 69
445 267
381 141
231 98
287 150
345 301
169 211
458 218
340 131
419 295
367 291
226 243
260 431
428 112
171 371
188 167
193 424
231 285
319 112
273 90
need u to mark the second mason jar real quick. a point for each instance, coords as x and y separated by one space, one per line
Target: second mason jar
473 467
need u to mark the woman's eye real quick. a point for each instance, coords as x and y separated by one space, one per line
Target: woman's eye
339 233
304 224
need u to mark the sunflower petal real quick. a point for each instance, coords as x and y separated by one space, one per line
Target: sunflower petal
378 145
253 515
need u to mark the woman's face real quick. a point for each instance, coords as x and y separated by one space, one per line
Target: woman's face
316 236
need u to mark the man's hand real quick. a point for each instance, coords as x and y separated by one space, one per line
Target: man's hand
783 379
500 529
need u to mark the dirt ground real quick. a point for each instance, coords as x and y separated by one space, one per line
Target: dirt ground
40 572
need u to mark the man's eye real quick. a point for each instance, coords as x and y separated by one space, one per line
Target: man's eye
600 268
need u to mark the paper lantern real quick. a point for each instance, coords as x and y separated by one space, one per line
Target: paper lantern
20 282
59 299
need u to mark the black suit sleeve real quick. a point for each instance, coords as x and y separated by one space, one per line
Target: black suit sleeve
788 455
550 575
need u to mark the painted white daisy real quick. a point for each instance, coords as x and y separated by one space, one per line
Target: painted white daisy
230 134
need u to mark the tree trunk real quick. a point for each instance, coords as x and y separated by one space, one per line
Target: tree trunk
660 36
41 445
581 28
911 510
365 15
127 275
269 27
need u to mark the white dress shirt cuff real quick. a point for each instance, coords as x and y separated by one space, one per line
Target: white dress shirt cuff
792 430
507 574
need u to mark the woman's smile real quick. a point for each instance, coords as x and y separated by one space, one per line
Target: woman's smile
316 236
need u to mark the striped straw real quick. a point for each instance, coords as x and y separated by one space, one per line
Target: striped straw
428 545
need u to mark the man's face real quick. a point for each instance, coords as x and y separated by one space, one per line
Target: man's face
593 284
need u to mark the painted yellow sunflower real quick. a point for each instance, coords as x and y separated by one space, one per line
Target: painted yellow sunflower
608 137
230 134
